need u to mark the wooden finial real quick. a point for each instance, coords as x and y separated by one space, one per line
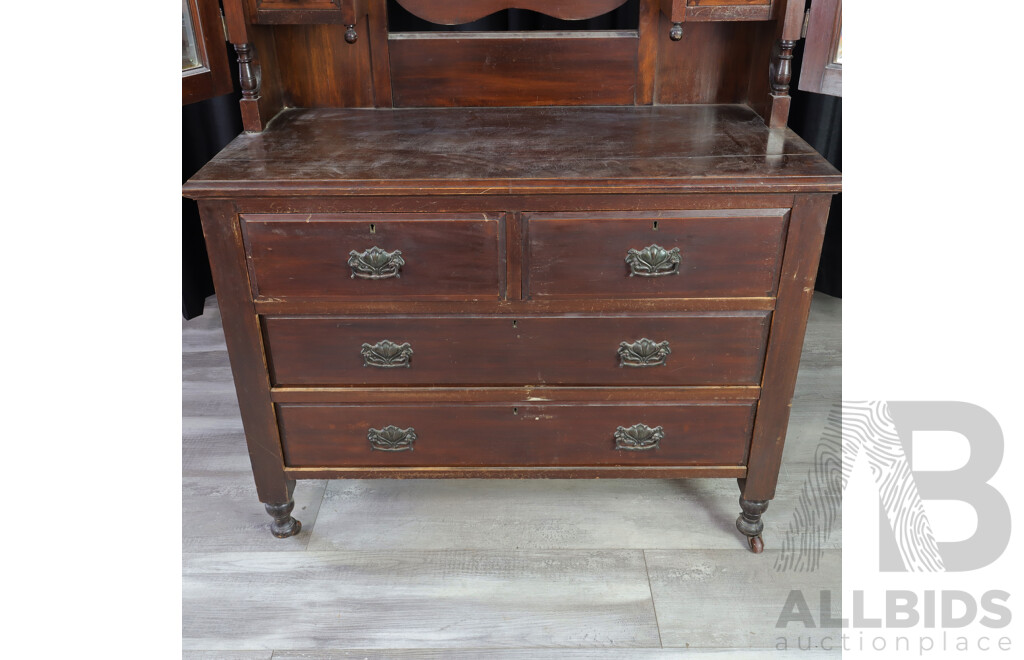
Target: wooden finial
676 33
350 34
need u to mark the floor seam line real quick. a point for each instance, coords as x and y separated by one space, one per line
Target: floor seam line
650 589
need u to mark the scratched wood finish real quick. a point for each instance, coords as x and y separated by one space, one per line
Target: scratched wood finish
447 69
725 348
723 253
306 256
630 150
516 435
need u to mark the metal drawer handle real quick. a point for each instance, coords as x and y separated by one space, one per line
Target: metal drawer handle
375 264
653 261
386 354
643 353
391 438
639 437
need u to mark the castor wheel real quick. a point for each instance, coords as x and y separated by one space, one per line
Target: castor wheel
750 525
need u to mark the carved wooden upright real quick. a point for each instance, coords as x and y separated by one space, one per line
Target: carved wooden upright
544 254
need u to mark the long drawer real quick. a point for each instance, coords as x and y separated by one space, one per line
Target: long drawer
696 348
375 256
654 254
555 434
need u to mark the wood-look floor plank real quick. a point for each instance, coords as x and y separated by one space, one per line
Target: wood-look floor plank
733 599
547 654
483 514
387 599
220 508
227 655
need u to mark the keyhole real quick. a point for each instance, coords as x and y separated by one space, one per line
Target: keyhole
655 225
373 228
515 411
515 324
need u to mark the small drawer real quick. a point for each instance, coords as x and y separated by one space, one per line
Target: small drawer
654 254
514 434
695 348
375 256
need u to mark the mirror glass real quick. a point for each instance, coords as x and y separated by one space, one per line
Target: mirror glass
189 49
837 57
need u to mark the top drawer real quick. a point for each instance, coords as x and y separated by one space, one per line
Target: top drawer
379 256
654 254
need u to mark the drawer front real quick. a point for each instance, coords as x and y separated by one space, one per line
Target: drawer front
655 254
375 256
705 348
515 434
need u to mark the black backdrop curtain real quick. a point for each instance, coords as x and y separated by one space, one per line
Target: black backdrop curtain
208 126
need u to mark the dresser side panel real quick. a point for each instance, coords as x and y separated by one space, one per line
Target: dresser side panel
785 341
245 350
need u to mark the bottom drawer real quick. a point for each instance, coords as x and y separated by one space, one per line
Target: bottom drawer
514 434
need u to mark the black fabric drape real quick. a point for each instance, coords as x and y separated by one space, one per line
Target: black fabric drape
208 126
818 118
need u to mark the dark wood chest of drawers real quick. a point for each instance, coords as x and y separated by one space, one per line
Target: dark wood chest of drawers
550 292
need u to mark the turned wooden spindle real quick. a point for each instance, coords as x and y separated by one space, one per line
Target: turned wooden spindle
284 525
782 67
246 72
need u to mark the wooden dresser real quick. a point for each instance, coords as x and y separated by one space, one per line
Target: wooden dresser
609 279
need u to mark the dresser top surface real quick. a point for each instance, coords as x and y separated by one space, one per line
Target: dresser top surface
695 148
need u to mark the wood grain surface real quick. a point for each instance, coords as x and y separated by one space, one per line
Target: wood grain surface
709 148
527 69
532 435
723 253
713 348
305 256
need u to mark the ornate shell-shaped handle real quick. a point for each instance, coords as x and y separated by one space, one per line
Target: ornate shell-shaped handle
638 437
653 261
375 263
386 354
643 353
391 438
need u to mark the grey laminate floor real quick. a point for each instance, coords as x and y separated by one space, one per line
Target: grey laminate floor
499 569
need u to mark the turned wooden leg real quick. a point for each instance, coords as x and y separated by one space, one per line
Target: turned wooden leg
749 523
284 525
